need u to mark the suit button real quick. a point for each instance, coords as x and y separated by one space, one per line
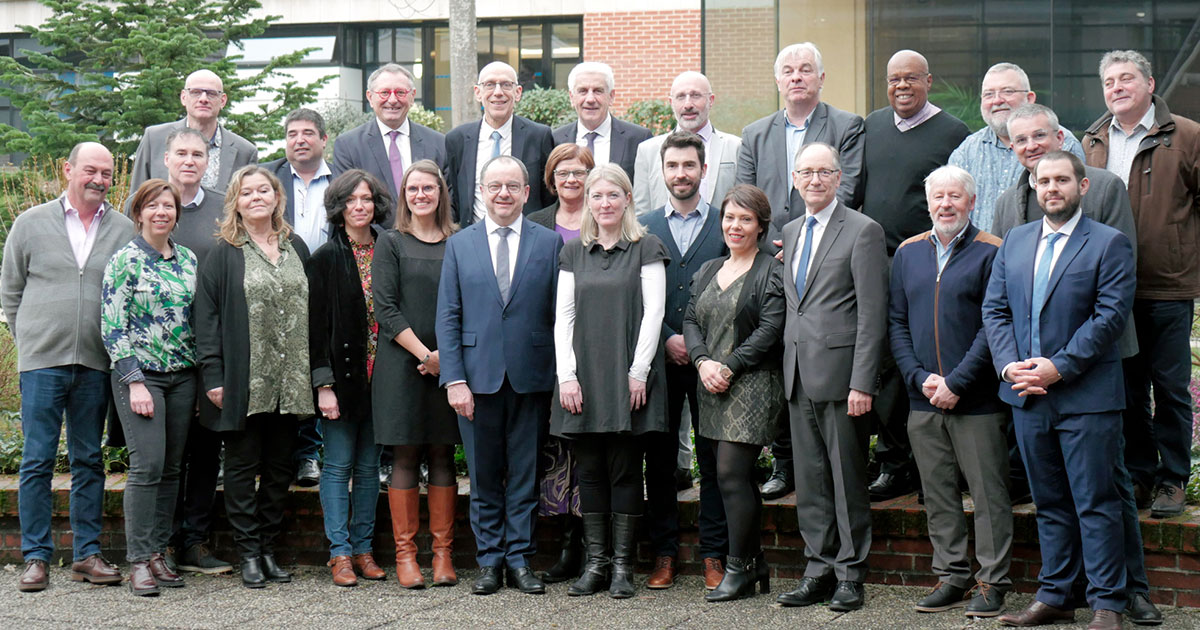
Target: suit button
347 359
347 375
799 312
679 309
345 345
681 287
684 265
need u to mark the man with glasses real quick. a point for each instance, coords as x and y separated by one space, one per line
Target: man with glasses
470 145
986 154
590 85
203 96
386 146
905 142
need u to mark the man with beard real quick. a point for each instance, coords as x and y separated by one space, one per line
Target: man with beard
986 154
1059 296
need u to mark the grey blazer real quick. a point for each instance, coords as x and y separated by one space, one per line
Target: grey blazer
362 147
763 159
835 333
623 147
649 190
236 152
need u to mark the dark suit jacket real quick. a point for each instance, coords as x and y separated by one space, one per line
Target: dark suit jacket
623 145
763 159
758 324
482 339
835 333
531 143
1088 300
236 152
709 244
282 169
362 147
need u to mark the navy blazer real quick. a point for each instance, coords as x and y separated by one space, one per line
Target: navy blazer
1088 300
362 147
480 338
709 244
282 169
622 146
531 143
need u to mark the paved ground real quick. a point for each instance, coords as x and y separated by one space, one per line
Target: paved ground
312 602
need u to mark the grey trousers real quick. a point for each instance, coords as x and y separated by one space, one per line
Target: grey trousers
155 454
944 444
834 512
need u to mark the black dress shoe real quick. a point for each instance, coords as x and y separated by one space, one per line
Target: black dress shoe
889 486
1142 611
780 483
272 570
810 591
847 596
683 479
525 581
489 581
252 573
308 474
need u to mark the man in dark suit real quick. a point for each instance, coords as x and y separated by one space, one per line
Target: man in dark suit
1059 296
470 145
203 96
590 85
691 230
495 320
833 337
389 144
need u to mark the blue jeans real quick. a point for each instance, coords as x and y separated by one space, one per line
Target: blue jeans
308 440
81 395
349 508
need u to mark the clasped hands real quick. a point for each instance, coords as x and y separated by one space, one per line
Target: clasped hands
1032 376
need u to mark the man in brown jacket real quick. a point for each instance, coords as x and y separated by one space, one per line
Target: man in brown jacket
1158 156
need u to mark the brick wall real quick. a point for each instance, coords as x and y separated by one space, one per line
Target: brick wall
646 49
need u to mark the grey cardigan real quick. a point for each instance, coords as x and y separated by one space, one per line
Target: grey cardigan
51 306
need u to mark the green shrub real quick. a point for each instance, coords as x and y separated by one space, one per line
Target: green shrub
962 102
551 107
654 115
427 117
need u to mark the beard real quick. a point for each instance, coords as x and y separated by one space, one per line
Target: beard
1070 206
999 127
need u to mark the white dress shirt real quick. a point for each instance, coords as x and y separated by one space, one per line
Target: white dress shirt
82 239
308 202
823 215
483 153
603 142
403 141
1059 244
514 242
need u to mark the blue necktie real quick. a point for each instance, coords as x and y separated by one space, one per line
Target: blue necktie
805 252
495 144
1040 281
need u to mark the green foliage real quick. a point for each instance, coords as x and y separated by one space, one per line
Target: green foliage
10 386
962 102
39 180
655 115
12 443
426 117
551 107
114 68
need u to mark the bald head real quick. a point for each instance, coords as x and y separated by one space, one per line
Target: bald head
691 100
89 173
203 96
908 81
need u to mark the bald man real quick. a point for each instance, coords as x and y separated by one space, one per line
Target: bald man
203 97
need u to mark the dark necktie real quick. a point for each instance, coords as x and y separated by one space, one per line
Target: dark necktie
805 252
1040 281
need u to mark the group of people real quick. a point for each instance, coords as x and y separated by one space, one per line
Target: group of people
559 301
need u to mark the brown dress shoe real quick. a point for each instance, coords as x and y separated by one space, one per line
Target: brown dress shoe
364 565
714 572
664 573
1168 501
343 571
141 580
1038 614
1105 620
96 570
163 575
34 578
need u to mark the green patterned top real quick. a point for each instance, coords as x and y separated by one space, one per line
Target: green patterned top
145 310
277 309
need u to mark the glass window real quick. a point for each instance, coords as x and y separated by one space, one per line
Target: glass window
408 45
384 46
261 50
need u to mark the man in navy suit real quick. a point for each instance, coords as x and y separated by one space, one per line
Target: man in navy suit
590 85
470 145
1057 301
495 322
386 146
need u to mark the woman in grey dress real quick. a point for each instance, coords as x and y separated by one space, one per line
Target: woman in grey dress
732 327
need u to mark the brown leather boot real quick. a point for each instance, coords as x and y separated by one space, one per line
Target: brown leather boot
442 501
406 517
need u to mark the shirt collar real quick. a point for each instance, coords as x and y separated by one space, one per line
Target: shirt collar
146 247
491 226
384 130
322 171
485 130
925 113
603 130
68 209
954 241
706 132
787 122
701 207
1146 122
990 137
824 214
1067 227
621 244
197 200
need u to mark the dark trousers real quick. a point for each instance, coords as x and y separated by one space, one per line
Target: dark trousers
890 412
308 440
1163 364
1070 460
662 508
609 467
263 449
502 446
197 496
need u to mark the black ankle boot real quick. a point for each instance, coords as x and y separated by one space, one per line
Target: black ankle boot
570 559
740 577
252 573
624 527
595 572
272 570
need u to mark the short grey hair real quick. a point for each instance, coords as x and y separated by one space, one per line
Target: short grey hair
592 67
1005 66
390 68
1032 110
794 50
500 159
1126 56
950 173
186 132
837 158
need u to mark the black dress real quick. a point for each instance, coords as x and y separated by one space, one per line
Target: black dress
409 408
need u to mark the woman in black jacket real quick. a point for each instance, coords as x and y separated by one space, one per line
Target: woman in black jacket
343 337
732 326
252 340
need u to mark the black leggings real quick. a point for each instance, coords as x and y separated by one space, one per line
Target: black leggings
739 492
609 467
406 465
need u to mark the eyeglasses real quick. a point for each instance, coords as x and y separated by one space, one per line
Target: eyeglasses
399 93
198 92
490 86
908 78
1036 137
427 189
577 174
495 187
823 173
684 97
1005 93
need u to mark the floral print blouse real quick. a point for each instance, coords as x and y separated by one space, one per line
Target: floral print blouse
277 310
363 254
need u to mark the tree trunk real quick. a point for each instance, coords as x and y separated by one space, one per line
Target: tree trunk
464 62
